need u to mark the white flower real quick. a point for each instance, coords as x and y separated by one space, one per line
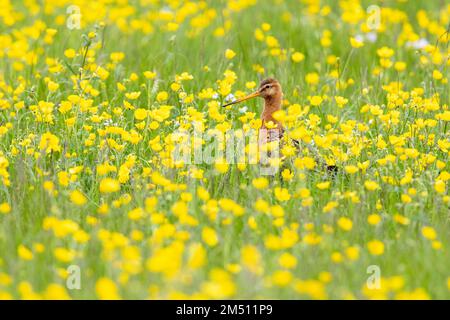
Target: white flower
230 97
371 36
166 9
418 44
359 38
243 109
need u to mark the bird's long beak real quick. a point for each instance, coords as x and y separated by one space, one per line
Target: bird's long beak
251 95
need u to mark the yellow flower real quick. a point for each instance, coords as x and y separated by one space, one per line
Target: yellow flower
405 198
250 84
314 288
429 233
376 247
437 245
209 236
330 206
48 185
287 260
307 202
325 276
312 78
132 95
437 75
109 185
5 280
315 100
52 86
180 208
162 96
106 289
385 52
70 53
297 57
261 205
172 26
5 208
78 198
24 253
281 278
136 214
140 114
351 169
220 285
56 292
287 175
371 185
401 219
266 26
221 167
400 66
197 256
340 101
49 143
272 42
337 257
439 186
345 223
117 56
229 54
417 294
260 183
175 86
282 194
352 253
251 258
323 185
64 255
374 219
149 75
304 193
355 43
203 194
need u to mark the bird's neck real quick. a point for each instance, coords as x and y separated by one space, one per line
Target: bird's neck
271 105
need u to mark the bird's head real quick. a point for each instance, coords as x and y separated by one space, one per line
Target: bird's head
268 89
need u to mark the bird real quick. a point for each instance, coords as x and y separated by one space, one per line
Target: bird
271 91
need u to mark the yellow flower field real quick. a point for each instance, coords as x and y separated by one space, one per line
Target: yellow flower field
96 96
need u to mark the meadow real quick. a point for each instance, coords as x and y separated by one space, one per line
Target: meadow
93 205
